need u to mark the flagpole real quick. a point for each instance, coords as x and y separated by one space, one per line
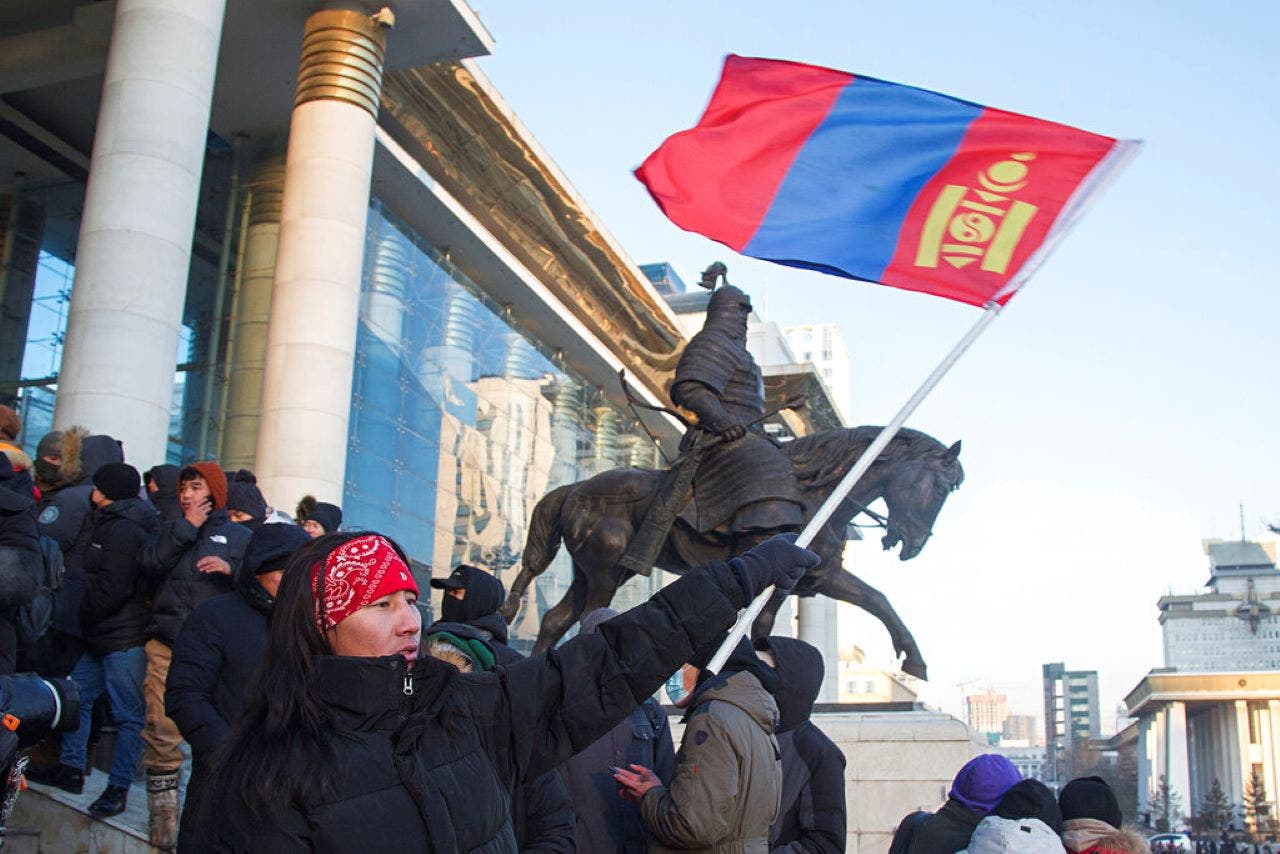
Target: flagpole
860 468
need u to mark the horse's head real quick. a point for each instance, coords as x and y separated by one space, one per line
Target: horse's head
915 491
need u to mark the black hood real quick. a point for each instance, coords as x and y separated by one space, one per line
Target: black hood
743 658
462 630
136 510
799 670
96 452
15 488
491 623
165 478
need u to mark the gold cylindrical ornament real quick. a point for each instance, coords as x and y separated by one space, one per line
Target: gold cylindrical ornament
342 56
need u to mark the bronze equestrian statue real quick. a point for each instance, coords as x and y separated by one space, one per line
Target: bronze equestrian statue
595 519
732 487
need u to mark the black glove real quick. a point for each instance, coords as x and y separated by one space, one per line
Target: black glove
777 562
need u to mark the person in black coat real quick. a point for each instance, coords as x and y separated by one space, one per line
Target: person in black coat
607 822
811 817
20 557
114 613
977 788
162 491
351 742
217 653
66 515
189 560
473 596
542 808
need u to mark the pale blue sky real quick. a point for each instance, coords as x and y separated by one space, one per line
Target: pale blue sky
1126 401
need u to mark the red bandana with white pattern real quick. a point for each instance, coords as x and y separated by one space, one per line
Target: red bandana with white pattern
355 574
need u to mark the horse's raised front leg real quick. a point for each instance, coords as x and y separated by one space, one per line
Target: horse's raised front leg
848 587
559 617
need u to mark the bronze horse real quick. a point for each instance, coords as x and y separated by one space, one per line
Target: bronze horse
596 517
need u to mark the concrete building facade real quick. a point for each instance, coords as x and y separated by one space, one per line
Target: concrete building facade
1233 624
311 239
1213 711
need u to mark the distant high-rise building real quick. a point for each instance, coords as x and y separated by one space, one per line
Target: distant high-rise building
1235 623
987 711
1019 728
1071 717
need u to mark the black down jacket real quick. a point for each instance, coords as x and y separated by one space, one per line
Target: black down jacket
169 559
20 558
217 653
427 757
66 514
115 609
541 809
811 817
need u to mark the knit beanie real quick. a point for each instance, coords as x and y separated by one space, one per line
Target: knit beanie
247 498
10 424
328 515
1030 799
1090 797
213 476
982 781
118 481
271 546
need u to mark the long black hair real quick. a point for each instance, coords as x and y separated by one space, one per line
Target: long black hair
279 752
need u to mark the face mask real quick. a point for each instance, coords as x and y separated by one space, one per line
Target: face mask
675 686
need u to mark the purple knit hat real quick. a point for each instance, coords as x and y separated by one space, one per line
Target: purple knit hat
983 781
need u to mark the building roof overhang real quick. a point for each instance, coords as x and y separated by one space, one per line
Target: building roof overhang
1158 688
452 121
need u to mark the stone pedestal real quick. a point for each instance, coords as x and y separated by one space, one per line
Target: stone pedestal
896 763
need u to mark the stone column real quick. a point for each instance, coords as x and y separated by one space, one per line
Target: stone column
21 229
817 624
306 384
1176 764
253 310
1146 772
135 234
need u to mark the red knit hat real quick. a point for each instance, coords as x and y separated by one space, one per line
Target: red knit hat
213 476
356 573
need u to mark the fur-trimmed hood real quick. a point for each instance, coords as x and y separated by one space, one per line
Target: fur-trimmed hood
1082 835
17 457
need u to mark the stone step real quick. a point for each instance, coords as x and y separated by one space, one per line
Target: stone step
47 820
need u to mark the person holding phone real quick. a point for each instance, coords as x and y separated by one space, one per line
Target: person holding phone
188 560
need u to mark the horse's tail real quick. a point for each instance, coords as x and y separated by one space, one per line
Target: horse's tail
543 539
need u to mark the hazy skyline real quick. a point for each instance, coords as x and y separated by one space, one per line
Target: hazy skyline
1121 408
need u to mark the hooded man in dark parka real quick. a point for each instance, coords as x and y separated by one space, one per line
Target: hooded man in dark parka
812 815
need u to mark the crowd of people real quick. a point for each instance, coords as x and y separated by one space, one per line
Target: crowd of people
290 663
992 809
292 666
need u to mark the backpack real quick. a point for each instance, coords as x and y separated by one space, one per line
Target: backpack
34 618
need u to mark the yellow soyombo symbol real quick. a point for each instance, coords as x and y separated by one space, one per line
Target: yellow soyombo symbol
985 228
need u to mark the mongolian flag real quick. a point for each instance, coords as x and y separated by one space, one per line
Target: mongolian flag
860 178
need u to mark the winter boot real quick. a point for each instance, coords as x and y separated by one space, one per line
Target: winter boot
60 776
111 802
162 806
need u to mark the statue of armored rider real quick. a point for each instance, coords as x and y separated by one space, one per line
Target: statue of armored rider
744 489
